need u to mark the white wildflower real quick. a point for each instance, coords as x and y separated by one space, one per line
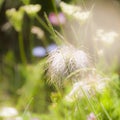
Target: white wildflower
82 16
14 118
8 112
38 31
106 37
75 12
69 9
31 9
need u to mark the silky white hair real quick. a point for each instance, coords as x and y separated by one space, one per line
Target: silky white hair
64 61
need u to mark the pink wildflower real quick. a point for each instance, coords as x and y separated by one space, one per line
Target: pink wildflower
57 19
91 116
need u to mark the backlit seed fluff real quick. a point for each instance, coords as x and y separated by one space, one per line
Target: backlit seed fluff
64 61
92 84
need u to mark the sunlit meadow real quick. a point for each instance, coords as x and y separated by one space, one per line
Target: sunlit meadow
62 61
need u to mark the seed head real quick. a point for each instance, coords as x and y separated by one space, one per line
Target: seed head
92 84
65 60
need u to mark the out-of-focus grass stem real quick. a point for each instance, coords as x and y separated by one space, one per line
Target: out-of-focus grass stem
105 111
53 33
21 48
42 23
89 101
31 37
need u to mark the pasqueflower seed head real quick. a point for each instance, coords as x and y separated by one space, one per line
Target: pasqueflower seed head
65 60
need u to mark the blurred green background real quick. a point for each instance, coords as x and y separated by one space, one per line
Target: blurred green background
22 74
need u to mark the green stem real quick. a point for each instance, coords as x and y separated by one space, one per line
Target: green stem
42 23
89 102
54 6
31 38
105 111
21 48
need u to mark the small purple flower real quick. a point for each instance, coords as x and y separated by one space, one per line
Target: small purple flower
57 19
51 47
39 51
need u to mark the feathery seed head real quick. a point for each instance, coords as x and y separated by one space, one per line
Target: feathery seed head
92 84
65 60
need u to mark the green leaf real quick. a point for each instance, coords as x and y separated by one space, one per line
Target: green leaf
1 2
26 2
15 18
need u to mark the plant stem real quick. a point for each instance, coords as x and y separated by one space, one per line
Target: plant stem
21 48
31 38
42 23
